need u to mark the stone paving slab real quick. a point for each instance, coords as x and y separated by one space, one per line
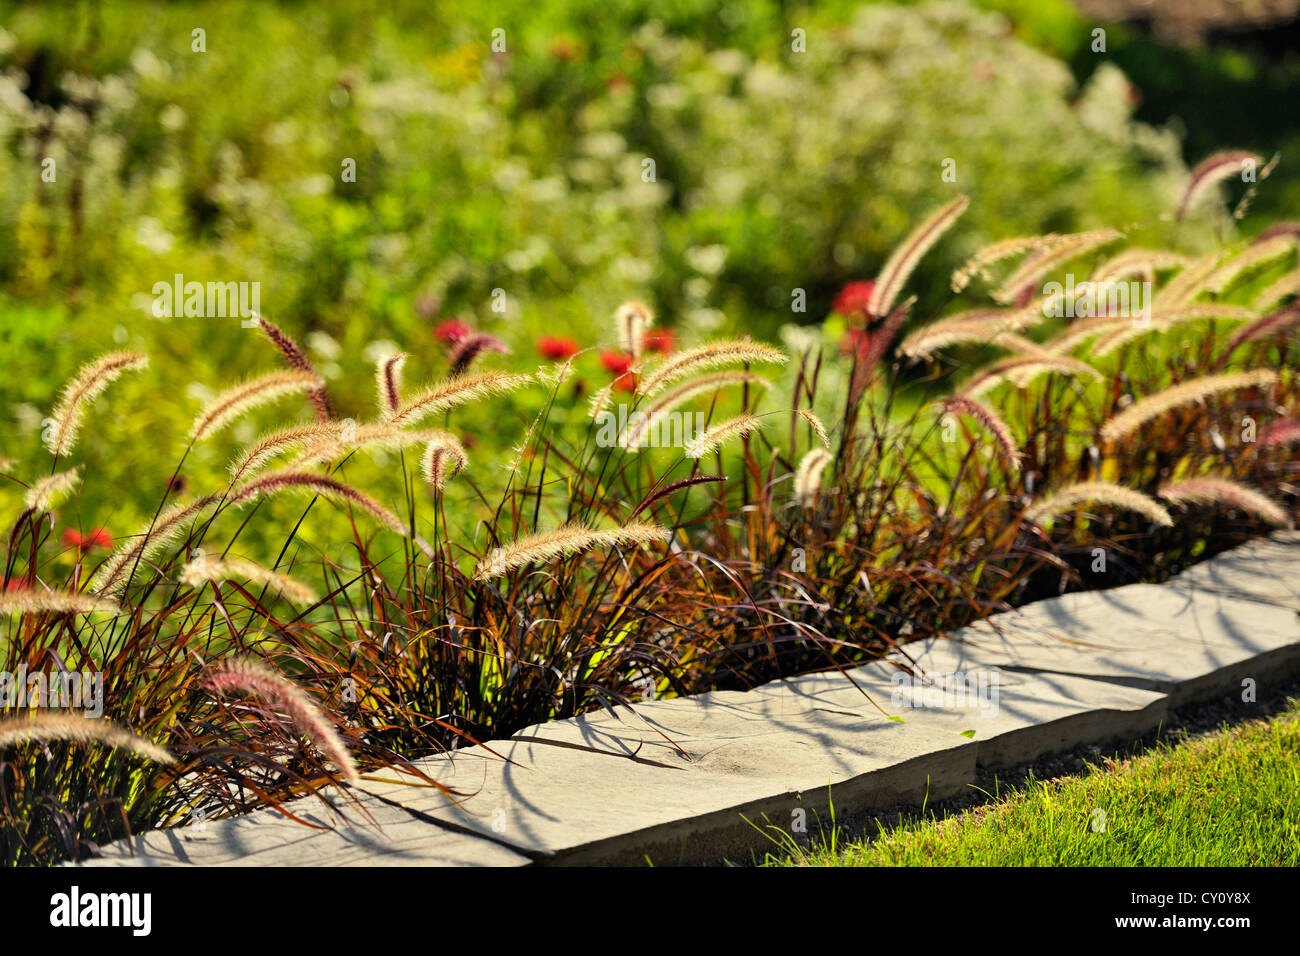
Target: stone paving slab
1263 570
375 832
1014 716
689 780
571 802
1190 645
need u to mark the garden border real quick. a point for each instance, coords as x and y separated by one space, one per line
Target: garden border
697 779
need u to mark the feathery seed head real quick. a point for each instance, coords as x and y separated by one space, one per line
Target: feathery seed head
1153 406
269 687
901 263
817 426
992 422
240 399
565 541
1225 493
199 572
46 728
49 492
645 423
456 391
713 355
808 476
711 438
632 319
31 600
389 375
1101 492
443 458
1019 371
111 576
90 381
1209 173
288 479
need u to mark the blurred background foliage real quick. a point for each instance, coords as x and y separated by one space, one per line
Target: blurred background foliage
523 171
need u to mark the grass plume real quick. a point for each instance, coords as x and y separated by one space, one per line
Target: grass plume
30 600
443 458
904 259
808 476
47 728
456 391
1020 370
992 423
566 541
1099 492
244 397
1224 493
650 417
48 492
269 687
1153 406
87 385
111 576
1209 173
273 444
703 357
389 375
711 438
631 320
305 481
297 360
197 573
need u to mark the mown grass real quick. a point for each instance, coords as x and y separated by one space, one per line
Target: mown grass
1226 799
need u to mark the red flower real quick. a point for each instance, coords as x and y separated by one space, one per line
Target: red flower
625 382
616 362
450 331
553 348
617 82
855 340
99 538
853 299
658 340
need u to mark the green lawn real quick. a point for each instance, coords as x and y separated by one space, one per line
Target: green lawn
1225 799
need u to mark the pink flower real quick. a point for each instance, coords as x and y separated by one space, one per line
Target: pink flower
853 299
555 348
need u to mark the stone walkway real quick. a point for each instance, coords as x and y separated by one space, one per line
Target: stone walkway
688 781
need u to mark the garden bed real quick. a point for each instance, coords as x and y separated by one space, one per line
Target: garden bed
703 778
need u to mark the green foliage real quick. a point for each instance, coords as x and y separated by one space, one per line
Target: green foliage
520 171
